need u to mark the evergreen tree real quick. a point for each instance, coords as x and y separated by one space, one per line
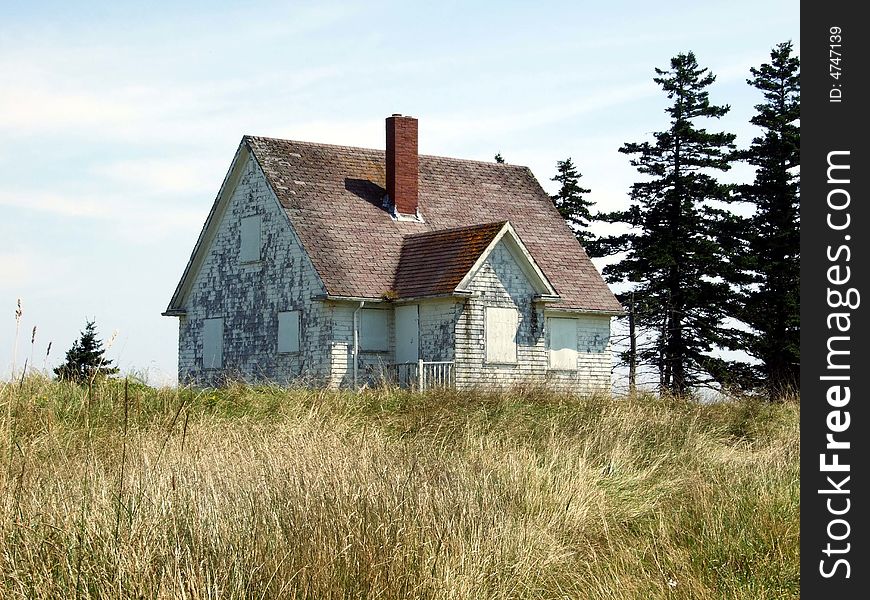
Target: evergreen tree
499 158
679 244
85 359
570 202
770 304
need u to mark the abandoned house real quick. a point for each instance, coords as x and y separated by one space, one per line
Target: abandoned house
345 266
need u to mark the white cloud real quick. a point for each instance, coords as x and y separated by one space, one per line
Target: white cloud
56 204
15 269
37 109
466 127
31 268
134 219
175 175
98 95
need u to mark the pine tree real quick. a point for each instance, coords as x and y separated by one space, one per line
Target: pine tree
499 158
570 202
770 304
85 359
679 244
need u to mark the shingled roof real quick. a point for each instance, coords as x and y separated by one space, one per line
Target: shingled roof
442 262
334 197
434 263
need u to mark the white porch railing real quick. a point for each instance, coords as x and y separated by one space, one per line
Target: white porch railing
421 375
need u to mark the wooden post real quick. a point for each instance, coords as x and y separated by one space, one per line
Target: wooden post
420 379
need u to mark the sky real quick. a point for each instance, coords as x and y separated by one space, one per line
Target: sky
120 119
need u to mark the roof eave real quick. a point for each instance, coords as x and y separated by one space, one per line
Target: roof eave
397 300
340 298
454 294
604 312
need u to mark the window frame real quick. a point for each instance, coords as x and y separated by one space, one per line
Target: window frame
246 241
207 342
365 337
575 353
293 319
488 330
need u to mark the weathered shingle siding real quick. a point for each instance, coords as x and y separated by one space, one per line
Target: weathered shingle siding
438 320
340 344
249 297
341 347
437 324
500 282
594 357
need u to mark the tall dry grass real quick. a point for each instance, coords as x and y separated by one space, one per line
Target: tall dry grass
266 493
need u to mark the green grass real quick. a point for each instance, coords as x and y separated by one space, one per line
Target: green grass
136 492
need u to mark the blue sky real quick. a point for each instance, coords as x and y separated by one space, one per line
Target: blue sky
120 119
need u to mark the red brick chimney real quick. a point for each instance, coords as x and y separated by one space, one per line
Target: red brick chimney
402 170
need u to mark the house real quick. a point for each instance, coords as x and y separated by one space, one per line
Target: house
339 265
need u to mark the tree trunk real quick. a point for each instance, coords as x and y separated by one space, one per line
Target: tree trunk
632 349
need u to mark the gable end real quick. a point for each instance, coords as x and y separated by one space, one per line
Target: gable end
240 163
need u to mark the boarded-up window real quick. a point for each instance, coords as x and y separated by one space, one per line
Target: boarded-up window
407 333
288 331
563 343
501 334
212 343
374 329
249 245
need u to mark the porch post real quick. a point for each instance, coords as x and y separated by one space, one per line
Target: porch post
420 374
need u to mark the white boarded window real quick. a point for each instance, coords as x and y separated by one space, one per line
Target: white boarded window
374 329
249 245
501 334
563 343
212 343
288 331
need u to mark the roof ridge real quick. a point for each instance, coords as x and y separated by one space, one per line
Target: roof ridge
478 162
445 230
381 150
305 143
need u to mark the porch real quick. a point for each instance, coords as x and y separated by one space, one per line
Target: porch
420 375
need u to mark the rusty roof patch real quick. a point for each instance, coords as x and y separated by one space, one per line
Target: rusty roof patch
433 263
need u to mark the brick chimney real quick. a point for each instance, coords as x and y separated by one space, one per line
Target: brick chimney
402 170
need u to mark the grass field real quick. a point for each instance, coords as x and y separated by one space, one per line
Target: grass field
134 492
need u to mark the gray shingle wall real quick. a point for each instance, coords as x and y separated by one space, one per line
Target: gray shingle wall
438 320
501 282
249 296
341 347
594 357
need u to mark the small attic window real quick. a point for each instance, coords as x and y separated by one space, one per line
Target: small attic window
250 238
